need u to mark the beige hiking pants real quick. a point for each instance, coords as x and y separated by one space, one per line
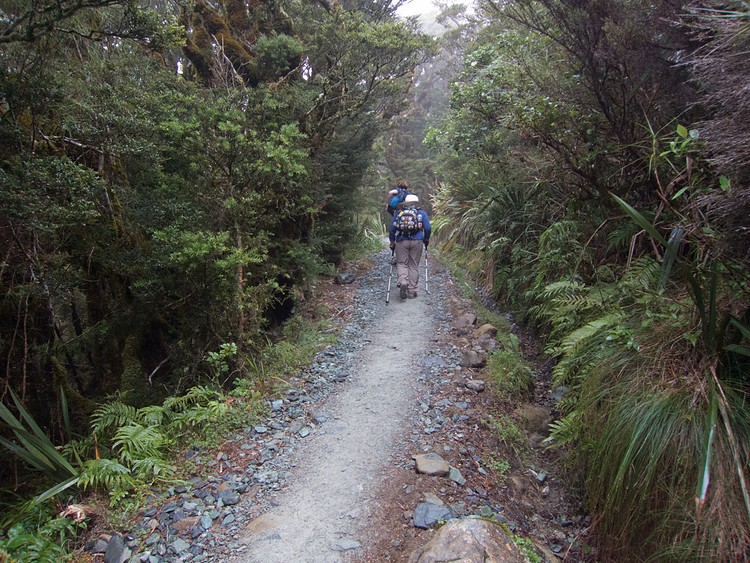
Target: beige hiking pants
408 255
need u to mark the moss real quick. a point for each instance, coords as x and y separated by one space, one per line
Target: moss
77 403
133 382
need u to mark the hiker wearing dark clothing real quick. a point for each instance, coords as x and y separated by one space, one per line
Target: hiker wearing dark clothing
410 231
396 196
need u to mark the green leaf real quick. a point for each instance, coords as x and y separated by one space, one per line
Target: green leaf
641 220
682 131
57 489
738 349
704 477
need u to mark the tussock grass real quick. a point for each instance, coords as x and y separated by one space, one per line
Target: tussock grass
646 442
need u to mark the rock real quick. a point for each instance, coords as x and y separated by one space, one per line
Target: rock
116 552
475 385
431 464
487 343
467 319
558 393
344 278
428 514
180 546
432 498
455 476
345 544
535 418
230 498
206 521
473 359
185 523
98 546
485 329
470 540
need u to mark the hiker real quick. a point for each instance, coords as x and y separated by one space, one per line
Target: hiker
396 196
410 230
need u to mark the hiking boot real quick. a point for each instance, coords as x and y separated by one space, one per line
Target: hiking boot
412 294
402 292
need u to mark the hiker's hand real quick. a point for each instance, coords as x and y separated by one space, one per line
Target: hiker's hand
393 245
426 242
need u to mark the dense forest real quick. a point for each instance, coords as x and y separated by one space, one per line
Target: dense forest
175 175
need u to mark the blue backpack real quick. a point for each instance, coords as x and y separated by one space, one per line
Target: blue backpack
396 199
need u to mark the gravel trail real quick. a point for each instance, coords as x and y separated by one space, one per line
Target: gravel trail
324 509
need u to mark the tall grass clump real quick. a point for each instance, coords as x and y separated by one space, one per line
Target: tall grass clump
663 462
510 374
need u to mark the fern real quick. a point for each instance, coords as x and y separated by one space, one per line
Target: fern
151 467
111 416
105 474
196 395
565 430
136 442
153 415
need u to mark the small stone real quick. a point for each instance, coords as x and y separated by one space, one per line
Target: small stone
455 476
427 514
180 546
473 359
206 522
116 552
277 404
485 329
486 512
344 278
475 385
345 544
431 464
304 432
467 319
432 498
230 498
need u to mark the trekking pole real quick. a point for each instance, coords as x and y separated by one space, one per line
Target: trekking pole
426 285
390 277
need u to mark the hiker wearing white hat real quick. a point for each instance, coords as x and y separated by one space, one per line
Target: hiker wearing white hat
410 231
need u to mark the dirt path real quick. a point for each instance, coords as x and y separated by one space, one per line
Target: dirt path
350 489
325 509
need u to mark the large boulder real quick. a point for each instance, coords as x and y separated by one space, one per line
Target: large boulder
469 540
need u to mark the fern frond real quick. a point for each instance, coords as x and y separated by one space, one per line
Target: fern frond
196 395
105 474
153 415
565 430
135 442
643 273
151 467
113 415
